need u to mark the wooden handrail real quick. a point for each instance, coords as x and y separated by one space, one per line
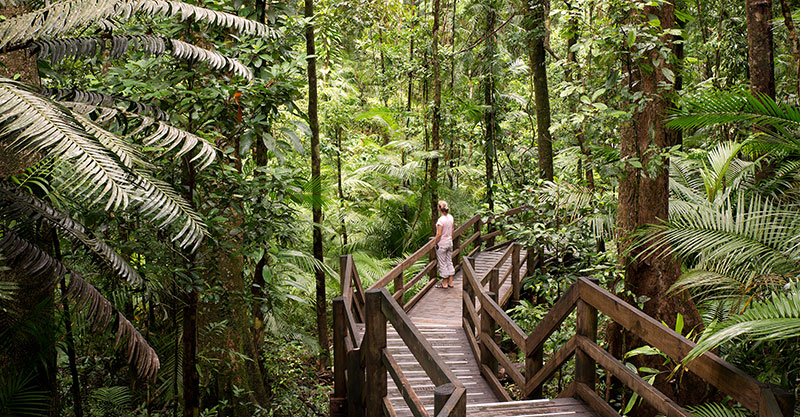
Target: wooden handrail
590 299
382 307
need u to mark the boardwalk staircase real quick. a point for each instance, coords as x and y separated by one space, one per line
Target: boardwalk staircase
437 353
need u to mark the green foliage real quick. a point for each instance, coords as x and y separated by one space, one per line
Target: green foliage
20 397
110 401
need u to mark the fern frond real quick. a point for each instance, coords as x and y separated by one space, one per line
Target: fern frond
31 123
64 16
21 205
710 108
715 410
60 48
164 136
158 200
104 101
20 397
774 319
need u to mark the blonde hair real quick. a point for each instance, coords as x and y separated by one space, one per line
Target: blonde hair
443 207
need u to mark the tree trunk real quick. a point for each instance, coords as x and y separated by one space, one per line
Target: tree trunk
787 19
488 100
537 31
191 378
342 223
759 47
644 199
316 195
572 66
437 103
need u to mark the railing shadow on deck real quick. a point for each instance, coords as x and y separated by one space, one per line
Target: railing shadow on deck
481 325
360 365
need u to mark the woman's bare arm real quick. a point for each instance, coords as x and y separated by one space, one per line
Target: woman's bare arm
438 234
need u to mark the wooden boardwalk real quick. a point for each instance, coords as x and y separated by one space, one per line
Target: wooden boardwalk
438 317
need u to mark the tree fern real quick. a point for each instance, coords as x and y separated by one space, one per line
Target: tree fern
24 256
773 319
60 48
62 17
20 205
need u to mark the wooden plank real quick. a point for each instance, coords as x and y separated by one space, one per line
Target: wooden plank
466 242
345 272
418 296
421 274
568 391
490 236
505 277
501 318
552 320
649 393
456 405
469 309
419 346
403 265
586 326
494 384
515 272
595 402
355 384
403 385
339 352
501 357
550 368
352 329
499 245
466 225
472 341
374 343
388 410
730 380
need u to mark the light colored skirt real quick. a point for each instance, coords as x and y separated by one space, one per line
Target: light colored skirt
444 255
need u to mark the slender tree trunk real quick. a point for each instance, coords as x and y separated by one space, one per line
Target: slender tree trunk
537 31
644 199
572 67
704 37
191 378
316 179
759 46
787 20
339 183
437 103
489 114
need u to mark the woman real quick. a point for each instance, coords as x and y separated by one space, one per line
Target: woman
444 245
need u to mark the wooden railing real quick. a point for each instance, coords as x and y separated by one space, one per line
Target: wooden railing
363 362
481 322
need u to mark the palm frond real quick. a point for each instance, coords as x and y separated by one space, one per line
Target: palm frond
62 17
32 123
158 200
104 101
60 48
127 154
161 135
20 397
774 319
710 108
21 205
715 410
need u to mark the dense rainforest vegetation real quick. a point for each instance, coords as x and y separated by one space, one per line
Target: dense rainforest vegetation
179 179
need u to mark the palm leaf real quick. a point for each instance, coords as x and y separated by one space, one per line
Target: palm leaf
715 410
104 101
162 135
710 108
20 397
60 48
32 123
33 262
774 319
21 205
62 17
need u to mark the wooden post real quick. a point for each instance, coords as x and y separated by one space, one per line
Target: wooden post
533 363
398 289
374 343
456 244
339 396
477 229
515 278
472 260
487 332
355 384
441 394
342 268
494 282
586 326
531 262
